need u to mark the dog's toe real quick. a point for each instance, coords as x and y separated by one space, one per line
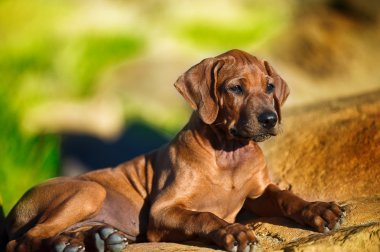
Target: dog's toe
65 246
105 232
116 247
59 247
74 248
110 239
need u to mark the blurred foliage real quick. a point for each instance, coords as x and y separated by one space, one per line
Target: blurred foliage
24 160
248 28
37 63
51 50
95 53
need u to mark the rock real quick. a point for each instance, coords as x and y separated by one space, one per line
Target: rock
328 151
169 247
359 231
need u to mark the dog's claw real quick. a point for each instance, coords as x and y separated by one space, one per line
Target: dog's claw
344 213
235 246
116 247
63 246
337 226
253 246
253 249
326 230
74 249
247 249
234 249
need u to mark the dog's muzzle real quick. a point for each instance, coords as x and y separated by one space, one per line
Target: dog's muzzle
260 137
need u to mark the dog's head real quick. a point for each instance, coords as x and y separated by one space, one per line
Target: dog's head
237 92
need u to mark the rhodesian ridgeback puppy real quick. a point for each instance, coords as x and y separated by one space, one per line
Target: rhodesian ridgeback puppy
190 189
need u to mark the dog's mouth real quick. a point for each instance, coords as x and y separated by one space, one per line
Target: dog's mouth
261 137
257 137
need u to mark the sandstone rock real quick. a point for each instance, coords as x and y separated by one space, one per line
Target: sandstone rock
331 150
328 151
359 231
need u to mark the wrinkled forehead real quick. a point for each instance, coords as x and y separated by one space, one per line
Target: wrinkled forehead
241 64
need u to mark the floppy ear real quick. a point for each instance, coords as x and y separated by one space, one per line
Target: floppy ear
281 89
198 87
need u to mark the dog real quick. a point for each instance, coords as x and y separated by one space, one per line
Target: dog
189 189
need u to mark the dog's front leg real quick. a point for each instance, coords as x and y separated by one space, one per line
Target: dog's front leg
322 216
178 224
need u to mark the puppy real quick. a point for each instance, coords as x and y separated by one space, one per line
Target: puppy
191 188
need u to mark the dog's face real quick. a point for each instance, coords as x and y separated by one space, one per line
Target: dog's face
236 92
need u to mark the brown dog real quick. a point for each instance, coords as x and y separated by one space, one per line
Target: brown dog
191 188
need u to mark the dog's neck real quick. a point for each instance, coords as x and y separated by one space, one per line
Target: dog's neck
216 137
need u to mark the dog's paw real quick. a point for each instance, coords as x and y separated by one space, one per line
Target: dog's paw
322 216
235 238
67 244
107 238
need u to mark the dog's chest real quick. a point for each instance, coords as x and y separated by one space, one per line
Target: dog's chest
224 199
226 186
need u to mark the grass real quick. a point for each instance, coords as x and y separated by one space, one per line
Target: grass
24 160
45 55
94 53
37 64
251 26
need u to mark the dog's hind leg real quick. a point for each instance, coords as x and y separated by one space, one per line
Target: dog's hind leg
66 202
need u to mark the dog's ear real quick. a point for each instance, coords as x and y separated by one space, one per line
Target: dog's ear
199 88
281 89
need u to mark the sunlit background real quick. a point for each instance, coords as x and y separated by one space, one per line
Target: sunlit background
86 84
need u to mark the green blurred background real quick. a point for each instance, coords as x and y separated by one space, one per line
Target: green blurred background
93 67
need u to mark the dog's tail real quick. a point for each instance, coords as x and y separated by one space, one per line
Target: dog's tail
3 234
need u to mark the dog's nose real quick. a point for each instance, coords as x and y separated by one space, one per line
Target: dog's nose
267 119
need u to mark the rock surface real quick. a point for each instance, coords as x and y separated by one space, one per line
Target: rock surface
328 151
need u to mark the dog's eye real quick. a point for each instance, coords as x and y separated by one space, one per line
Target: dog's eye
237 89
270 88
